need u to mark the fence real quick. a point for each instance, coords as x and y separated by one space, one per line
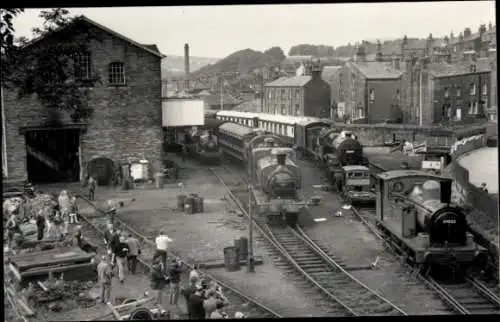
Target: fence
473 196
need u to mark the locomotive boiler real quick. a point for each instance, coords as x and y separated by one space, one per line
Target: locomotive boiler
278 175
415 214
342 146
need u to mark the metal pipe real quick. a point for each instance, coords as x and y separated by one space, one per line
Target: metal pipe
250 267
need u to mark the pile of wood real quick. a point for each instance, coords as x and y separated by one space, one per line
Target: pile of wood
74 263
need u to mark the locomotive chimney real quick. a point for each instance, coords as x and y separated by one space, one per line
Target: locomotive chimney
281 158
186 66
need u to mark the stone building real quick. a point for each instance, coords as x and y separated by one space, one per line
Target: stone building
331 75
444 92
480 42
304 95
369 91
124 79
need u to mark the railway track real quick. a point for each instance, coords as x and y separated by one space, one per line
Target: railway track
348 295
467 295
93 228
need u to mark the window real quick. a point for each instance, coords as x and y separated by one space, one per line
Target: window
82 66
473 108
484 90
297 93
398 94
270 94
372 95
459 92
283 111
117 73
361 113
458 113
282 93
446 92
297 109
472 89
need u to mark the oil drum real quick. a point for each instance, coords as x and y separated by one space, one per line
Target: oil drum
231 259
189 205
181 199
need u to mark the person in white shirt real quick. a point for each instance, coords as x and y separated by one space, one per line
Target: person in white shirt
161 247
194 273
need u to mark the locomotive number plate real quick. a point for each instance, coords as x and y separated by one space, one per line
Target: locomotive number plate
349 151
449 221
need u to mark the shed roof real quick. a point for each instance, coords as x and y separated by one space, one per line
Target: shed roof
153 49
295 81
377 70
236 129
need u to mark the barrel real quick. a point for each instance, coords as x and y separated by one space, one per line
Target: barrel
181 199
194 205
243 248
189 205
231 259
199 204
159 180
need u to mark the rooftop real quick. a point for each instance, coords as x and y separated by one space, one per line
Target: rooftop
329 73
295 81
377 70
460 68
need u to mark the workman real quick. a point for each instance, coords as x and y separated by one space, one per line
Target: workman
105 275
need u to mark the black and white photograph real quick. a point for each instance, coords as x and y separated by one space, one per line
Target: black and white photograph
250 161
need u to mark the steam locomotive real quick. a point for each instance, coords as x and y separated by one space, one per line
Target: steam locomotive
271 169
201 142
415 214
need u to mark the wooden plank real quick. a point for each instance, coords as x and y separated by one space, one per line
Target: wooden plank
220 263
114 311
15 271
42 286
40 259
41 272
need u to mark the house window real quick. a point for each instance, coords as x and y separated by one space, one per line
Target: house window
372 95
473 108
446 92
398 95
472 89
82 66
458 113
297 109
484 90
282 93
117 73
459 92
270 94
361 113
283 111
297 93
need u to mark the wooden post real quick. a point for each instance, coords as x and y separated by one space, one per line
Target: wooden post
250 268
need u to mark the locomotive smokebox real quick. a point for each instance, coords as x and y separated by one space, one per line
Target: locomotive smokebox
281 158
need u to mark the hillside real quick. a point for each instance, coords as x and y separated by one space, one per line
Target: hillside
242 61
175 64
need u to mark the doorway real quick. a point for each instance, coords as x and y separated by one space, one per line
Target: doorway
52 155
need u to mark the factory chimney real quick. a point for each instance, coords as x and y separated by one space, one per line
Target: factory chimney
186 66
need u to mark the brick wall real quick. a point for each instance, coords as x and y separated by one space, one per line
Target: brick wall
317 98
381 109
126 121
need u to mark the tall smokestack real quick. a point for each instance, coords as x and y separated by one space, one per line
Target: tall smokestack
186 66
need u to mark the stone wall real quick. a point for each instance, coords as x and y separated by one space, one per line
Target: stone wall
126 121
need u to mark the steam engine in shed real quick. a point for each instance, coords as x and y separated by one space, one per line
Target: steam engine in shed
414 212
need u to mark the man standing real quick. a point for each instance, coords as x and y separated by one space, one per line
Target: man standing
105 275
92 185
190 289
121 251
158 281
195 303
134 250
161 247
175 278
40 225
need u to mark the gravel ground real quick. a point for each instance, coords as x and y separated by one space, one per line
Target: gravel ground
203 236
349 242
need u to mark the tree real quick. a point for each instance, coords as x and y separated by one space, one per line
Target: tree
276 53
46 67
7 39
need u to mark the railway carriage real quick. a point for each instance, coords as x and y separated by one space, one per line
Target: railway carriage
232 138
415 213
244 118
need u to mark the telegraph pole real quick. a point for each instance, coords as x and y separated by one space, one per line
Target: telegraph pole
250 268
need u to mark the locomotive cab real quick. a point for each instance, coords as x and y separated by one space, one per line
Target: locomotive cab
356 184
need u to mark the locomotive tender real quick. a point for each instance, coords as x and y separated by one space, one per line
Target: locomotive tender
271 170
415 213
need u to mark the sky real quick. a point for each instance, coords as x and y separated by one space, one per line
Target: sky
217 31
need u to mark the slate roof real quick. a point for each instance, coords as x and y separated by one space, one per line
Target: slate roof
149 48
445 70
377 70
295 81
329 72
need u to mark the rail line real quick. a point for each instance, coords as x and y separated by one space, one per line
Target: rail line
94 230
349 295
468 296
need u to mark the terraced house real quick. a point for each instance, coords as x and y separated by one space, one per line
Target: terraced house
124 79
302 95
